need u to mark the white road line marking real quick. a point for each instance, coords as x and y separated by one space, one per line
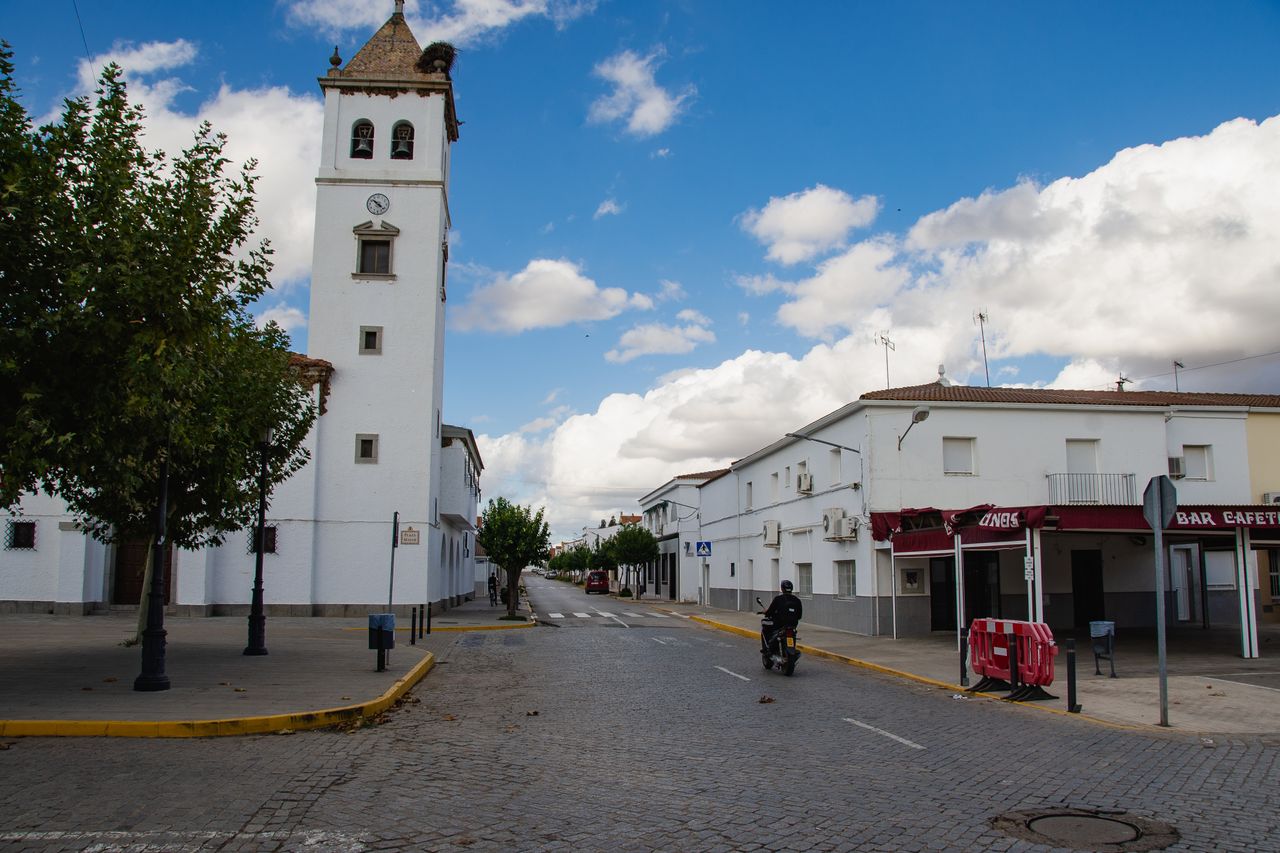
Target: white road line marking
659 641
657 616
734 674
556 615
611 616
889 735
583 615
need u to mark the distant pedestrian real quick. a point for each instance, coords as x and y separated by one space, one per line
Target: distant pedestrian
493 590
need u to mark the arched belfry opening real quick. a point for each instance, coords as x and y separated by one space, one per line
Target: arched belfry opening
402 141
362 140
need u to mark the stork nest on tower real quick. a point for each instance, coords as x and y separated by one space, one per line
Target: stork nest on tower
437 58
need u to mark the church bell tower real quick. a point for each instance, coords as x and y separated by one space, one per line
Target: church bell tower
377 312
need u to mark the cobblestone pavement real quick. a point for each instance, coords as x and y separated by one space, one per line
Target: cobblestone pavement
648 737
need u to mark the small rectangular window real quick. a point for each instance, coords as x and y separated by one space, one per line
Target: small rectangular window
773 574
375 256
269 539
20 535
833 455
1197 462
370 340
773 487
804 578
733 570
957 455
748 497
366 448
845 578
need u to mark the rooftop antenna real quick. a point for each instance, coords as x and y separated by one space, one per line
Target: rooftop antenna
1122 381
883 339
1176 365
980 317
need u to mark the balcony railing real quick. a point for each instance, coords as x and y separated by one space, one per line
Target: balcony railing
1118 489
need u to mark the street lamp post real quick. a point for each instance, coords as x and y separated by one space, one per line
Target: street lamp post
258 619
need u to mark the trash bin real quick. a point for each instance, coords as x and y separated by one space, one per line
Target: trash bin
382 631
1103 635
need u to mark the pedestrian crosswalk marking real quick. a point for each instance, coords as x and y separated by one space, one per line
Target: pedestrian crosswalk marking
556 615
583 615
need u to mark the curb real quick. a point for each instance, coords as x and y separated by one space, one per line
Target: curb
435 629
297 721
922 679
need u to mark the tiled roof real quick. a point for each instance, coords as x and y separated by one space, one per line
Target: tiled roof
937 393
702 475
392 53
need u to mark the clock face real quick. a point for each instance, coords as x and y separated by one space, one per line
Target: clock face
378 204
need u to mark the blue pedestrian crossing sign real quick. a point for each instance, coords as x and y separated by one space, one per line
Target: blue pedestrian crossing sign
704 549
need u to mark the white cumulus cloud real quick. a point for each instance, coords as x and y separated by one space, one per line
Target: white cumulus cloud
462 22
803 225
658 339
545 294
276 127
284 316
637 100
608 207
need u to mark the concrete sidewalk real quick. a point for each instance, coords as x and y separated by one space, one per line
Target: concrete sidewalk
1211 688
70 675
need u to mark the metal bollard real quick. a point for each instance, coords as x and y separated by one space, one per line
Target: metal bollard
964 657
1072 706
428 606
422 620
1013 664
413 625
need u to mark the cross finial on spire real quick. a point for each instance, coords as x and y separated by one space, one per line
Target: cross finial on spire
399 7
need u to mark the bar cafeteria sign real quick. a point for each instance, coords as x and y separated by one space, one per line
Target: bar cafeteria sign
1209 518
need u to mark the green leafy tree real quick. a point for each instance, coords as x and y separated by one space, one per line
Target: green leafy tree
634 546
514 536
128 340
601 557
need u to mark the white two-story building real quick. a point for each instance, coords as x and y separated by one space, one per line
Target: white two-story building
918 509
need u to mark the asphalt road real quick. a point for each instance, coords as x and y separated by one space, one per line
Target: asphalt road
638 733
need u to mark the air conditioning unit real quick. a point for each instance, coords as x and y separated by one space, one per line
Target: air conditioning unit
847 528
1271 497
772 534
804 482
1177 469
831 519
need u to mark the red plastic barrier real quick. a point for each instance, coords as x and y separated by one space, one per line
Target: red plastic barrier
989 650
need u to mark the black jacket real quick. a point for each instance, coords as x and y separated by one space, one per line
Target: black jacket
785 610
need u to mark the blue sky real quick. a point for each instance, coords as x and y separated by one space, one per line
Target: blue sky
680 228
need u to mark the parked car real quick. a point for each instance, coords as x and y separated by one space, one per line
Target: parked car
597 581
550 575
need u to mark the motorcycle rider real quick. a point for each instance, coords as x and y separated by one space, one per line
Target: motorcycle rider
784 611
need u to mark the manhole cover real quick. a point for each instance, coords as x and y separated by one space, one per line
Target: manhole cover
1087 829
1077 829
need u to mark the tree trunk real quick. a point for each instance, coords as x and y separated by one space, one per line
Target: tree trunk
148 567
513 591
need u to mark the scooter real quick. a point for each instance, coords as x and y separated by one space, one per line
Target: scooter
781 653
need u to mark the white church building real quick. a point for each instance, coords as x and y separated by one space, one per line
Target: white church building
380 449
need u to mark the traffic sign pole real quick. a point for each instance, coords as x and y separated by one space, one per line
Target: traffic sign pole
1159 502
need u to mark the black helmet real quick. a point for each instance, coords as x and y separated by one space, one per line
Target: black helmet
786 586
